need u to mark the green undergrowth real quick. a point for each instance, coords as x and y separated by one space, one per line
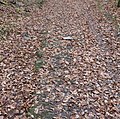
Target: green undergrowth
21 6
39 53
39 64
19 3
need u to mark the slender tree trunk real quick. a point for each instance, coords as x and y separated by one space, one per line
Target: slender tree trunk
118 5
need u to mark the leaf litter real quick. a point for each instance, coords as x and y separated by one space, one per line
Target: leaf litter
75 79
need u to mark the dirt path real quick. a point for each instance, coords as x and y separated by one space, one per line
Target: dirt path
77 78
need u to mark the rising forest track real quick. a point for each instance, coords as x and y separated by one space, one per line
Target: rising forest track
61 61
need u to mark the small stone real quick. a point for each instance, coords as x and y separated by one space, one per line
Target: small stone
48 89
105 101
118 34
26 36
38 92
82 36
74 60
66 72
36 110
68 38
77 116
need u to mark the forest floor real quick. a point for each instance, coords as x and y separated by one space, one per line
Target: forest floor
60 61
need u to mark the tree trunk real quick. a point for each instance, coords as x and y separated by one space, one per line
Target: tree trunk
118 5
